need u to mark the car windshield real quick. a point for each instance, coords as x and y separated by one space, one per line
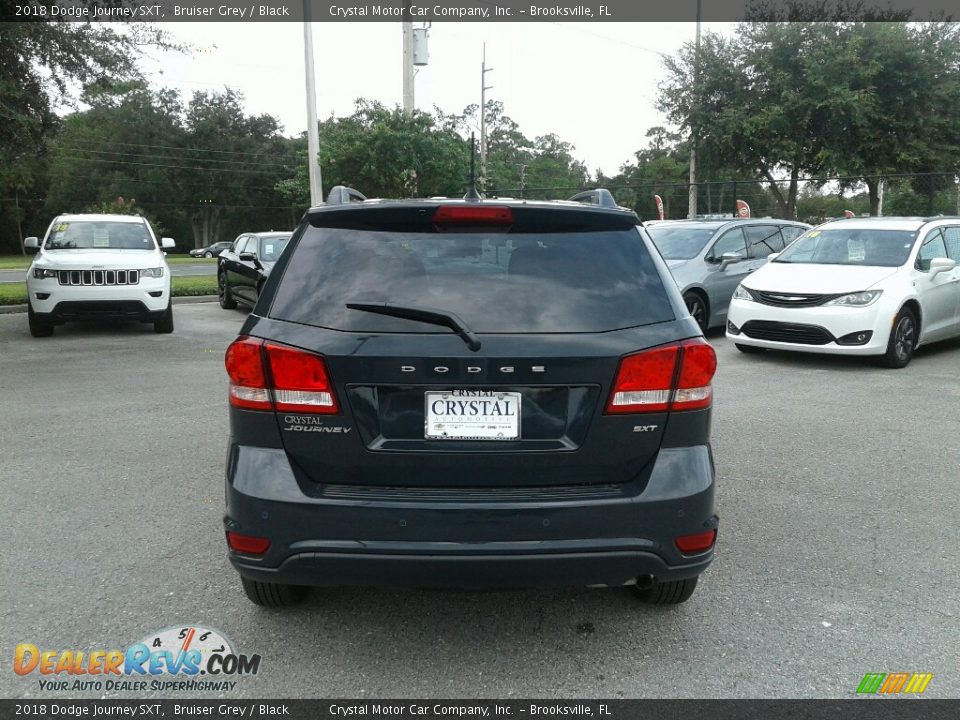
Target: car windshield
851 246
495 282
108 235
271 247
680 242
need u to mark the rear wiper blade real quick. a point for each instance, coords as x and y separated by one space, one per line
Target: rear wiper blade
423 314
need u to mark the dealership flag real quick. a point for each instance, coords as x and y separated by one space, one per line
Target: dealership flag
743 210
659 201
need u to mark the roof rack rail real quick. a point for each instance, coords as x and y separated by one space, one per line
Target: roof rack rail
600 197
931 218
341 195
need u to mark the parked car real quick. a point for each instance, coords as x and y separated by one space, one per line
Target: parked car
244 267
446 393
98 266
211 251
709 258
864 286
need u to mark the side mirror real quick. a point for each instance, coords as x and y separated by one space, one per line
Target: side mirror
729 259
939 265
168 243
249 257
772 256
31 245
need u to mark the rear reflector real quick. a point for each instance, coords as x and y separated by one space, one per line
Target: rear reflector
651 381
247 544
297 380
473 214
698 543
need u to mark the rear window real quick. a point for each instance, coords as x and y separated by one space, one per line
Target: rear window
496 282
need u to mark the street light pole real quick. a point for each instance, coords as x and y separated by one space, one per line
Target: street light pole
313 131
483 118
408 81
692 190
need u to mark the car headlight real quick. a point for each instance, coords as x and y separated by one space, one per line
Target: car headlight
741 293
41 273
857 299
152 272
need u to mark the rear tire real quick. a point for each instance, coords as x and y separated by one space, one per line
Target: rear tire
223 293
903 340
272 595
164 324
671 592
749 349
38 328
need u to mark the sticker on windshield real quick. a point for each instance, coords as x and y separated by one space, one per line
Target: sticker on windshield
268 249
813 233
62 227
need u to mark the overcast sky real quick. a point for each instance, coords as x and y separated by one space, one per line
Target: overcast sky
593 84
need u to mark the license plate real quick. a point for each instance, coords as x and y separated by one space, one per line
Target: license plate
472 415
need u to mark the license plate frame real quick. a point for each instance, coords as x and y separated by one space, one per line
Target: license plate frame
489 427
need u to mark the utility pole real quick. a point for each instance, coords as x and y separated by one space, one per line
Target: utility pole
483 118
692 191
408 101
313 131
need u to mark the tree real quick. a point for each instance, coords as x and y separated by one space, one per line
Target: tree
39 64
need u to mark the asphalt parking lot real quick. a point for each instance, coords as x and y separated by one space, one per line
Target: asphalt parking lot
838 493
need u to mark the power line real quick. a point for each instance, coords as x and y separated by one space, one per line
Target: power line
175 167
158 156
173 147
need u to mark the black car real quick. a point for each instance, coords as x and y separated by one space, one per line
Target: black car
211 251
244 267
477 393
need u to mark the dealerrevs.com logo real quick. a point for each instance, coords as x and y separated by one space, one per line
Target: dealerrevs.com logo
192 659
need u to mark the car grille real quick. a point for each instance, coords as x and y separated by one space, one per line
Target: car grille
790 299
99 277
786 332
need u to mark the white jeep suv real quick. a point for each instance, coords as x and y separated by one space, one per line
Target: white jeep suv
98 266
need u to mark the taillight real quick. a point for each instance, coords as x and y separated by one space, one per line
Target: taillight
651 381
694 388
300 381
473 214
268 376
247 544
248 384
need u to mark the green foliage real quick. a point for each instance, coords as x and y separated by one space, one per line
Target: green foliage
40 63
793 99
204 170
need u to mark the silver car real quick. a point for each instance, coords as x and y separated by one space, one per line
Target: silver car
709 258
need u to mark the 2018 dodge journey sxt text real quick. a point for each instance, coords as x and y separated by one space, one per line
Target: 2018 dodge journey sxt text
470 393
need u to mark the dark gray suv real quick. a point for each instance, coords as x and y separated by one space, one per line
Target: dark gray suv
466 394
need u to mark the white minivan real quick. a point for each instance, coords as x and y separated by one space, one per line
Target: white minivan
98 266
863 286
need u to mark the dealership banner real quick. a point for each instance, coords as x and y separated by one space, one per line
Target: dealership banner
461 709
469 10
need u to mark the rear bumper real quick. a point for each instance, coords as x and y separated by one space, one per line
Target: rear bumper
585 535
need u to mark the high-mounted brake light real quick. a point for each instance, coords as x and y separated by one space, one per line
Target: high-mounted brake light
651 381
269 376
473 215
